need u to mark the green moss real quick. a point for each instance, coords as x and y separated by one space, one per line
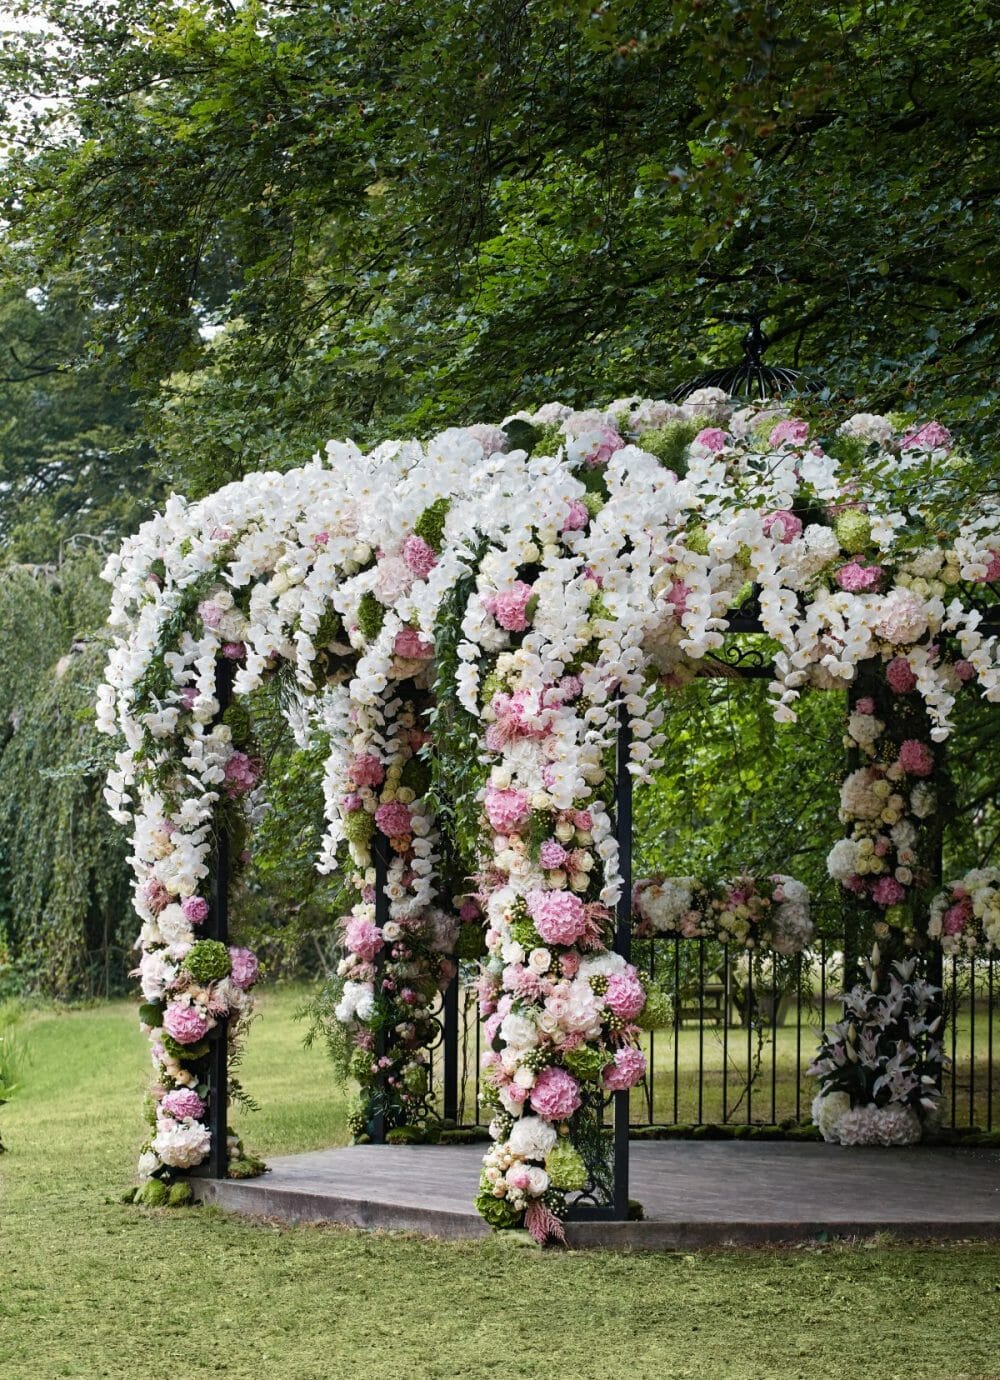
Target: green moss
153 1193
371 616
180 1194
406 1135
237 719
471 943
416 775
429 525
207 960
189 1054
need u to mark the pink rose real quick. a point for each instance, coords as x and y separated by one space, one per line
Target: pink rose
791 432
419 556
899 674
583 820
859 579
234 651
351 802
782 525
506 810
559 916
916 758
245 968
628 1069
183 1102
195 909
626 995
556 1094
211 613
965 670
185 1023
713 439
393 818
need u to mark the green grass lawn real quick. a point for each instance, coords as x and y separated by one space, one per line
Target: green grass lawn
89 1287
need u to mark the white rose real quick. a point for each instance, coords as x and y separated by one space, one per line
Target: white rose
539 960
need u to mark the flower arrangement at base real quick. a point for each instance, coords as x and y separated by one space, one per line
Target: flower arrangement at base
965 917
879 1068
770 912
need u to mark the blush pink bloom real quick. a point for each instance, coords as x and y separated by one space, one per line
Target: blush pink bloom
956 917
234 651
363 938
188 696
492 1024
628 1069
625 995
245 968
211 613
411 645
510 607
888 892
931 436
859 579
993 569
556 1094
577 517
469 911
677 596
552 853
366 770
506 810
156 895
559 916
393 818
570 964
419 556
916 758
186 1024
782 525
899 674
182 1102
792 432
195 909
713 438
583 819
609 441
351 802
965 670
866 705
242 773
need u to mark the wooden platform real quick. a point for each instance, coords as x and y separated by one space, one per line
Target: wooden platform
694 1193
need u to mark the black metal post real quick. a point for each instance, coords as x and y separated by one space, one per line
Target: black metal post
380 857
623 939
449 1050
218 928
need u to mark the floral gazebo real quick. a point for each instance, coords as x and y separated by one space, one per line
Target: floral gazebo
481 628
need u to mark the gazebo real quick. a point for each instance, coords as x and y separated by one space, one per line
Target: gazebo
481 628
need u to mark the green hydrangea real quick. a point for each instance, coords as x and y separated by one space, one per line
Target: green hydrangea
430 524
415 1079
207 961
493 684
523 932
657 1012
696 540
586 1063
371 616
669 444
598 608
362 1065
496 1211
359 826
549 440
565 1167
593 502
854 531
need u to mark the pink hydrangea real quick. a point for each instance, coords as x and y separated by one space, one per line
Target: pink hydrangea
211 613
916 758
393 818
792 432
234 651
993 568
363 938
242 773
956 917
713 438
625 995
510 607
195 909
156 895
899 674
866 705
559 916
782 525
183 1102
628 1069
351 802
245 968
888 892
366 770
902 618
556 1094
608 442
469 911
411 645
188 696
506 810
965 670
583 820
677 596
552 853
931 436
419 556
577 517
185 1023
859 579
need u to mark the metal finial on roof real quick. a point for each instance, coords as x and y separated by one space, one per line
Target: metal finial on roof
751 378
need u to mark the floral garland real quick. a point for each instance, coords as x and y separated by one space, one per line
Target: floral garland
750 912
965 917
591 552
880 1066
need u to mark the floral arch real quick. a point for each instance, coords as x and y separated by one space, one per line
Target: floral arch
472 626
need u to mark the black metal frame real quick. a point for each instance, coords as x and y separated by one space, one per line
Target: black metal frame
217 927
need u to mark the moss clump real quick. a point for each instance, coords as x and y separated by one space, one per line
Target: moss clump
669 444
371 616
180 1194
853 530
416 775
429 526
471 942
189 1054
406 1135
207 960
565 1167
237 720
153 1193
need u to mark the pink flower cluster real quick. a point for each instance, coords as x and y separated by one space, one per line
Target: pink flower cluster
394 819
916 758
626 995
183 1102
782 525
419 556
556 1094
712 438
412 646
363 938
242 773
366 770
792 432
185 1023
506 810
510 607
931 436
245 968
899 674
577 517
608 442
859 579
552 854
558 916
628 1069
